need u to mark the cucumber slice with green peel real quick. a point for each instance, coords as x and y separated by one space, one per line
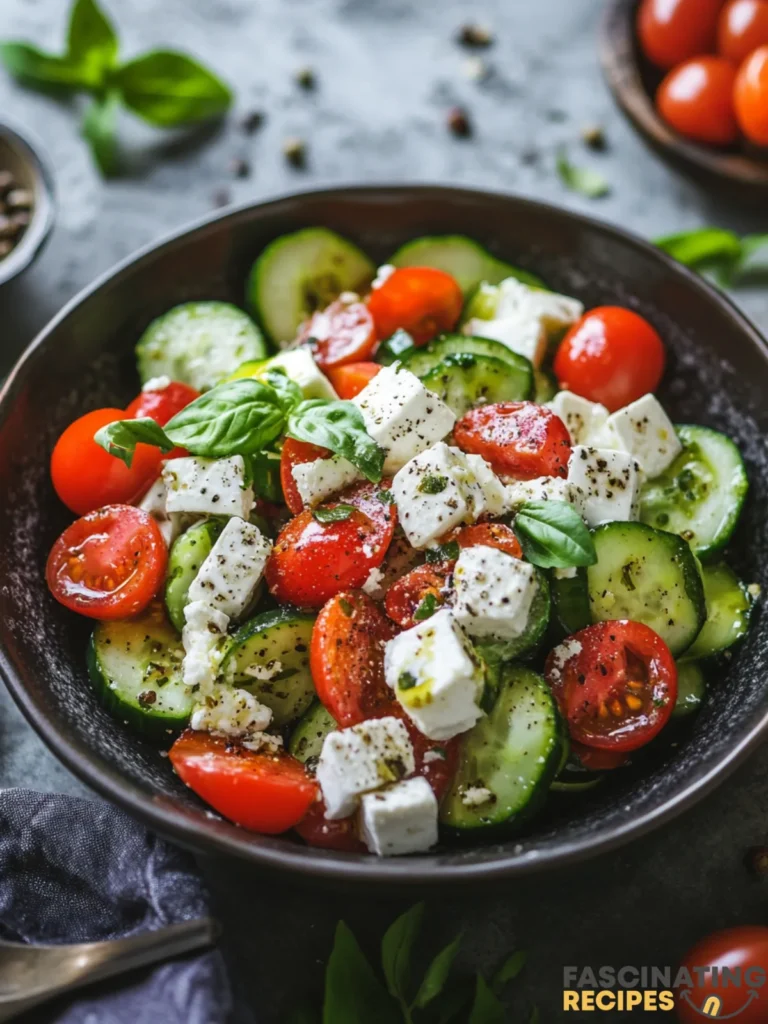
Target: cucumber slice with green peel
647 576
465 380
307 738
570 601
508 759
397 346
498 653
701 495
423 360
188 553
199 343
300 273
691 689
729 608
545 386
465 260
135 667
269 657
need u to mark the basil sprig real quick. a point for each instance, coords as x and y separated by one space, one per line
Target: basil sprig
720 251
584 180
340 427
165 88
120 438
553 535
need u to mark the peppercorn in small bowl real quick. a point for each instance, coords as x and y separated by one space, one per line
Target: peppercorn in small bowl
27 203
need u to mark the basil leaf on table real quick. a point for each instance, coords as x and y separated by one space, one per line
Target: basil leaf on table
337 514
353 993
340 427
239 417
397 949
100 130
169 89
92 42
704 245
437 974
509 970
486 1009
553 535
32 67
587 182
120 438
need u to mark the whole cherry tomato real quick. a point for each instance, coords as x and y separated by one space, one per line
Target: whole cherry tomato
519 439
671 31
348 381
751 96
696 99
343 333
742 28
161 404
744 951
420 300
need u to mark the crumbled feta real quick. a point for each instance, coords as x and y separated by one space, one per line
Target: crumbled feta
301 368
476 796
565 574
582 417
229 712
156 384
544 488
610 481
229 576
644 430
400 819
154 502
436 676
204 637
318 480
494 593
561 655
385 271
373 584
264 672
214 487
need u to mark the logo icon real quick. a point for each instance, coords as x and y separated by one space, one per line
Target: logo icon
712 1007
714 1004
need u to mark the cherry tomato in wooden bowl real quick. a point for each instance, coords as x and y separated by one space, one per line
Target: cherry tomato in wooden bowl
348 381
696 99
742 28
342 333
420 300
520 439
751 96
671 31
743 951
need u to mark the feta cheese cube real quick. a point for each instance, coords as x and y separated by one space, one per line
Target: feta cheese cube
213 487
521 334
644 430
231 713
229 576
436 675
491 499
582 417
361 758
301 368
402 416
204 639
318 480
610 481
544 488
432 495
494 593
154 502
400 819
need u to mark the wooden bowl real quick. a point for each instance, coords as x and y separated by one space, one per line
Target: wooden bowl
633 81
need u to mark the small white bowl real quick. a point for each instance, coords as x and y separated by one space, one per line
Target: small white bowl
21 154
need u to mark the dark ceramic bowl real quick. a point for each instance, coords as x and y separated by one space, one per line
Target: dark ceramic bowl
718 375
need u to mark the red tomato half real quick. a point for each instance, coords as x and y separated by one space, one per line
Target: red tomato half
734 948
163 404
337 834
696 99
347 658
348 381
312 561
267 793
342 333
751 96
109 564
420 300
86 477
436 761
432 580
612 356
671 31
489 535
743 26
519 439
295 453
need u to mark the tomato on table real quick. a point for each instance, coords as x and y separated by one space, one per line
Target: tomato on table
330 834
697 100
489 535
348 381
261 792
611 355
742 28
109 564
86 477
618 688
346 658
751 96
744 949
420 300
671 31
430 582
314 560
161 404
519 439
295 453
342 333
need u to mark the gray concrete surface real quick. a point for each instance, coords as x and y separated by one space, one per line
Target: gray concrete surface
387 72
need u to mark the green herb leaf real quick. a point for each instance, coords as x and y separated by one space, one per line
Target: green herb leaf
262 472
289 393
92 43
340 427
37 69
406 681
397 950
239 417
386 497
753 262
437 974
486 1009
553 535
337 514
443 552
353 993
100 130
169 89
703 246
431 484
426 608
581 179
120 438
508 971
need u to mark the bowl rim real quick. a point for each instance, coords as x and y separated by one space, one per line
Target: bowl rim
331 866
32 153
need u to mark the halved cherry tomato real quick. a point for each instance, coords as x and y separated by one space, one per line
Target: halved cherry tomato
743 26
346 658
598 760
406 595
295 453
109 564
337 834
342 333
312 560
420 300
743 950
348 381
489 535
696 99
751 96
519 439
671 31
86 477
267 793
161 405
618 688
612 356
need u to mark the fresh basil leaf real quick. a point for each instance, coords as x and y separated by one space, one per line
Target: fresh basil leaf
37 69
92 43
353 993
432 484
508 971
340 427
437 974
289 394
100 131
587 182
753 262
397 951
238 417
262 473
120 438
386 497
702 246
443 552
337 514
169 89
486 1009
426 608
553 535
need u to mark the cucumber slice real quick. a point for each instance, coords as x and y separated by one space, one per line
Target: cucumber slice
135 667
301 272
729 608
307 738
464 380
188 553
513 753
544 386
570 601
702 493
199 343
269 657
422 361
496 653
465 260
398 346
648 576
691 689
